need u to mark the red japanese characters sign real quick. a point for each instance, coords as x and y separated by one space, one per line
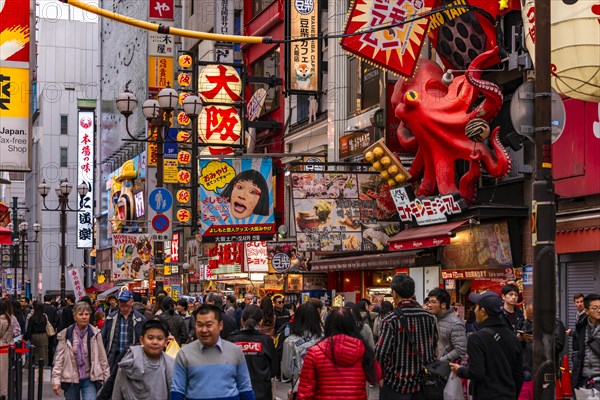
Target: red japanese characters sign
219 84
219 124
160 9
14 30
396 49
85 168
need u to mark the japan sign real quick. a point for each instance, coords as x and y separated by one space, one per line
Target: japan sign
219 84
304 55
256 257
219 124
15 135
236 199
427 210
396 49
85 175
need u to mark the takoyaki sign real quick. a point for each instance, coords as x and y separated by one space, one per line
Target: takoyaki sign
343 211
131 256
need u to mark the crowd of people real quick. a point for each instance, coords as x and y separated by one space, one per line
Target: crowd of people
230 350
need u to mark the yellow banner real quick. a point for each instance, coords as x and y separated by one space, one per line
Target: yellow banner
14 92
160 72
170 171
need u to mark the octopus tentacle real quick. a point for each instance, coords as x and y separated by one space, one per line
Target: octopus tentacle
492 93
468 183
499 165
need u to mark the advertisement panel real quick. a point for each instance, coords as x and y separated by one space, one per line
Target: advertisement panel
303 56
85 174
75 278
160 72
15 139
343 211
256 256
236 199
14 30
131 256
224 14
396 49
479 246
161 9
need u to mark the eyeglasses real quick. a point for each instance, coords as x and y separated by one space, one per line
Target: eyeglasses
594 309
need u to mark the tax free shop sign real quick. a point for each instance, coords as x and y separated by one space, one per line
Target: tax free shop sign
14 119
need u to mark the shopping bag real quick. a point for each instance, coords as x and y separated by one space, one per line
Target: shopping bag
454 388
172 348
587 394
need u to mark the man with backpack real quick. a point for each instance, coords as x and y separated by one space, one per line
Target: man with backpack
495 361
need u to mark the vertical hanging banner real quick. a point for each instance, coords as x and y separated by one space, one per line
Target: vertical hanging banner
236 199
85 175
224 25
396 49
303 57
15 136
76 281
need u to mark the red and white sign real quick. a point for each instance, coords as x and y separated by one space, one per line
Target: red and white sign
85 175
219 84
160 9
76 281
424 211
250 347
483 273
175 247
14 30
419 243
256 257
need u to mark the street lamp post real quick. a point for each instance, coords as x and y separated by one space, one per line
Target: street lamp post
62 192
24 238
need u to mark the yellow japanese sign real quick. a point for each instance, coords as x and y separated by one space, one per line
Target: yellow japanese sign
160 72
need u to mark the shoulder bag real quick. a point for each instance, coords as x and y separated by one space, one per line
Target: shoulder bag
434 375
50 331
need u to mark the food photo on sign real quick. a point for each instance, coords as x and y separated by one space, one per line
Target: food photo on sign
132 254
236 198
343 211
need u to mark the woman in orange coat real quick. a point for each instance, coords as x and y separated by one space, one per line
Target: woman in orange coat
339 366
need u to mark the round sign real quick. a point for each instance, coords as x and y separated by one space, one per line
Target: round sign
160 223
185 61
184 79
183 196
183 119
182 97
183 136
160 200
183 176
280 262
183 215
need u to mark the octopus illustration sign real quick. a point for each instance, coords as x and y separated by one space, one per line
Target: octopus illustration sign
396 49
236 200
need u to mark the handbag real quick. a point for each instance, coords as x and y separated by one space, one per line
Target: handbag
172 348
50 331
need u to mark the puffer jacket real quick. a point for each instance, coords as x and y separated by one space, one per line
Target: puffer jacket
176 326
327 376
65 359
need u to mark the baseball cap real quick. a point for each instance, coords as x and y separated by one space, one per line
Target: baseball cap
489 301
125 295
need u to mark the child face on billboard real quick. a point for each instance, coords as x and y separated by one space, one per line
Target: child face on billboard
244 198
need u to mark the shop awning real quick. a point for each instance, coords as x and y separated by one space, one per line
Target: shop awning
5 235
423 237
369 261
108 292
574 235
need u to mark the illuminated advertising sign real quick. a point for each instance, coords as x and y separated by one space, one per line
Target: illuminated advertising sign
14 30
236 199
15 138
85 175
303 56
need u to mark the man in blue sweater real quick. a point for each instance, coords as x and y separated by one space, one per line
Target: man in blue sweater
210 367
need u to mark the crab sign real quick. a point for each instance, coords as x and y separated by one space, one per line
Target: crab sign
433 119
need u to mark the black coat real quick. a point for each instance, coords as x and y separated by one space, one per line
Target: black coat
229 325
495 367
577 380
66 318
52 314
261 359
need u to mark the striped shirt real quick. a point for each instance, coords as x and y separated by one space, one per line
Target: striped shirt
124 333
211 372
402 364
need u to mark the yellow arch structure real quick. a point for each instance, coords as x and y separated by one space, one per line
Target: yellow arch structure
166 29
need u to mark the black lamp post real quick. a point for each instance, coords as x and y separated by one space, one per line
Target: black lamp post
62 192
23 239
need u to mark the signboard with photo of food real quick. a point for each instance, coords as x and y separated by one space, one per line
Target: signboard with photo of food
337 211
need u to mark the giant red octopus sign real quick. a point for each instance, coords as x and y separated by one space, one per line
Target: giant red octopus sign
434 119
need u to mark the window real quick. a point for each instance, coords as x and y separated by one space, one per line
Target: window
268 66
260 5
64 156
64 124
192 7
369 79
16 176
353 85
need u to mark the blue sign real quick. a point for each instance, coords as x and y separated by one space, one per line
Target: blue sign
160 200
528 275
171 147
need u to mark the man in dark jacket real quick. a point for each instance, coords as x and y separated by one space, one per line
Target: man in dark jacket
229 324
495 360
586 345
513 314
66 315
259 352
52 314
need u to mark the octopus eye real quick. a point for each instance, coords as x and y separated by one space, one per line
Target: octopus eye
412 95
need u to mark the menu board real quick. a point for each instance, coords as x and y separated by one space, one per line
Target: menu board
337 211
